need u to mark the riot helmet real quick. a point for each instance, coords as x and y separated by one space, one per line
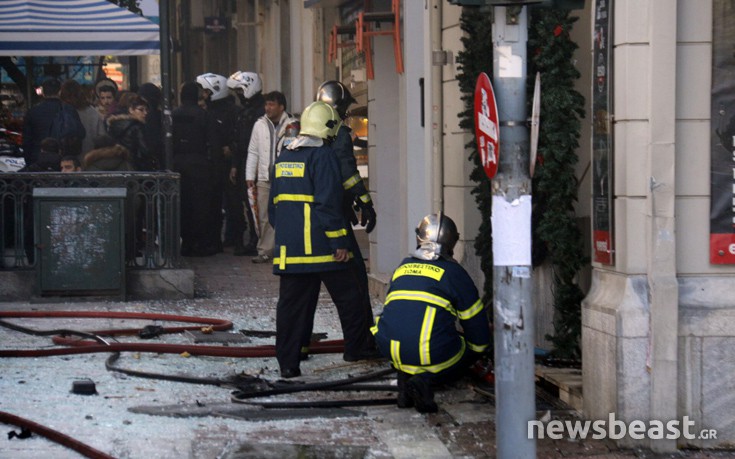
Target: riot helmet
436 236
320 120
246 84
337 95
215 84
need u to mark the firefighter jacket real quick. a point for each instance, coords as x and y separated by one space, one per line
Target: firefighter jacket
351 180
304 208
418 324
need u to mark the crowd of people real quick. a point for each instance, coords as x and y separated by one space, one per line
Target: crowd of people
286 191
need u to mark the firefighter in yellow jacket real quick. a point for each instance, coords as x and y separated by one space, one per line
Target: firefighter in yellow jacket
429 294
311 243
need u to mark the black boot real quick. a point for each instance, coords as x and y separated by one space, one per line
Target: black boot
419 390
403 400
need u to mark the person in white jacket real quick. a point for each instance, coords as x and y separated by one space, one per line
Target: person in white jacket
265 141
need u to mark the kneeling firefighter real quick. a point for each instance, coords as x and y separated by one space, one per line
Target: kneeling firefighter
429 292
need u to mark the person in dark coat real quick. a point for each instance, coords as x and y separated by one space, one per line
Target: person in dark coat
107 156
193 131
128 130
153 130
48 159
221 107
39 119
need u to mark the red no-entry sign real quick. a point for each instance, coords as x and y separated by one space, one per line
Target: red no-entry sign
487 130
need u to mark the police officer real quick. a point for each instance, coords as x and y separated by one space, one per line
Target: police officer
249 90
222 108
356 194
193 133
429 292
311 243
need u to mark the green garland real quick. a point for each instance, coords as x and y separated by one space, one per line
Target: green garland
555 231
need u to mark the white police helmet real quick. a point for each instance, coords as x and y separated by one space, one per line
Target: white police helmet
215 84
247 82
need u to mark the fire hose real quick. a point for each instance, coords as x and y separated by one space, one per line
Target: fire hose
53 435
95 343
75 346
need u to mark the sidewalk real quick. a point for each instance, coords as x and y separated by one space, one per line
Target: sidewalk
133 417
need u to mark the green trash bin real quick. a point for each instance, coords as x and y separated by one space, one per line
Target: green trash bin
80 241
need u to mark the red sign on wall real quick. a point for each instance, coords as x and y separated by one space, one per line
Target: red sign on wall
487 130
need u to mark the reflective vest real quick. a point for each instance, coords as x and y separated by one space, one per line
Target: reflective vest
305 210
418 324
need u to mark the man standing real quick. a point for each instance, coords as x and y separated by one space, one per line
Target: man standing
222 110
262 154
428 295
355 192
311 241
193 131
248 87
41 118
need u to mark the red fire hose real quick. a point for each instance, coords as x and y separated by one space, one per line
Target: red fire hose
54 435
76 346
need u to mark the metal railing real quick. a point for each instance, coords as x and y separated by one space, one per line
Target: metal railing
151 220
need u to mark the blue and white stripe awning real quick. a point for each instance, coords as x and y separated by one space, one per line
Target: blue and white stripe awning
73 28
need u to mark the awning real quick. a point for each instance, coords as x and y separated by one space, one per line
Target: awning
74 28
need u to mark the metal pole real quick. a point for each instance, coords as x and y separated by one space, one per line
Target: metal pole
163 6
511 221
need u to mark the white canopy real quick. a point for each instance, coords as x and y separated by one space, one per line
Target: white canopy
74 28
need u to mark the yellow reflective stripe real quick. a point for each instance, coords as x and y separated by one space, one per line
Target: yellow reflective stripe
293 198
307 229
282 258
477 347
425 338
411 295
305 260
337 233
470 312
374 328
395 352
365 198
419 269
415 369
304 349
352 181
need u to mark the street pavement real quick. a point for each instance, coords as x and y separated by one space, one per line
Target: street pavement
133 417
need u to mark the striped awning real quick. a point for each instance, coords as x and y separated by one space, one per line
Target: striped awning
74 28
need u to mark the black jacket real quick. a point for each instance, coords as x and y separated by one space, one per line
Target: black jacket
192 130
128 132
46 162
224 113
253 109
36 127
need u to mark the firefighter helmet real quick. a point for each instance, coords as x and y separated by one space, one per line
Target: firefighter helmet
215 84
337 95
248 82
319 119
436 236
